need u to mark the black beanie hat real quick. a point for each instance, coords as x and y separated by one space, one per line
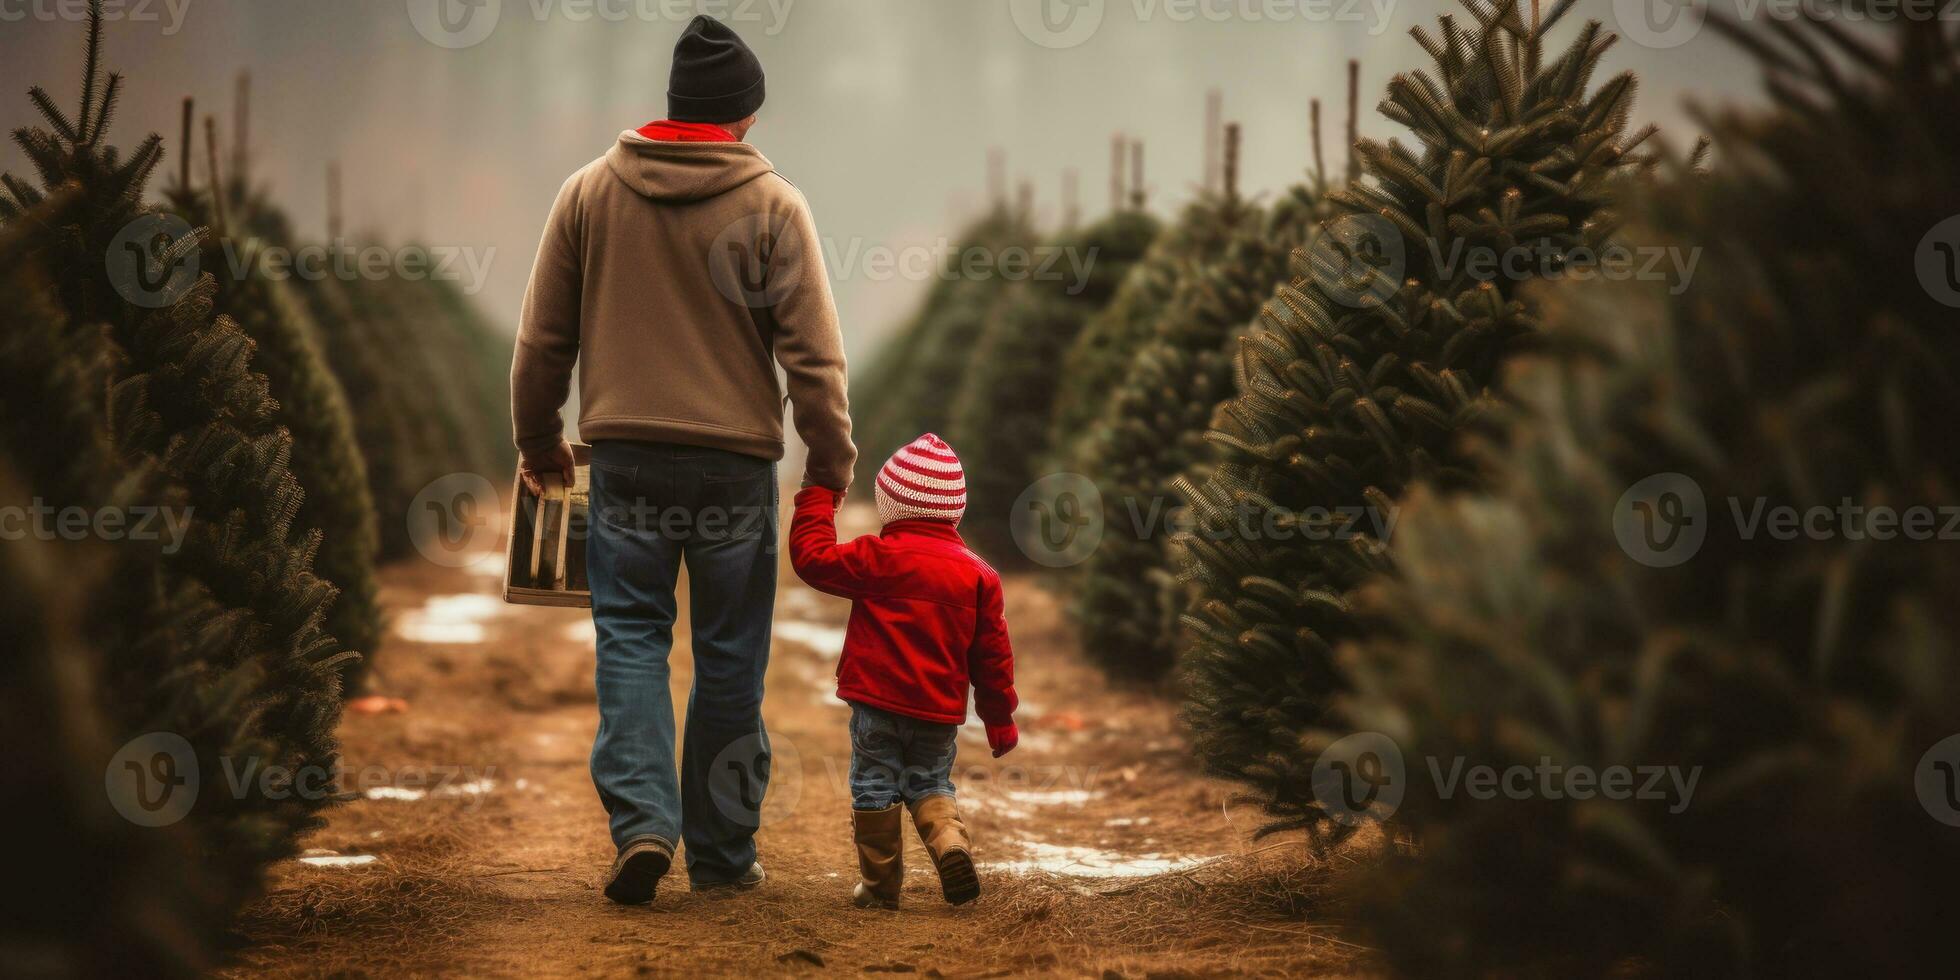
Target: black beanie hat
716 78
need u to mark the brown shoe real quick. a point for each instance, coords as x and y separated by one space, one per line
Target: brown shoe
638 869
880 836
946 839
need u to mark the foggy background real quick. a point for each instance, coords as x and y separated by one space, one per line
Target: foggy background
882 111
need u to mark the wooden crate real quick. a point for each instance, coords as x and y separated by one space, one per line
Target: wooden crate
544 558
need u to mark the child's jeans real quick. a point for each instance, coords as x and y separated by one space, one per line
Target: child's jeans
897 758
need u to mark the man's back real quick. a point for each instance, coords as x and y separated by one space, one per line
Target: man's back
678 273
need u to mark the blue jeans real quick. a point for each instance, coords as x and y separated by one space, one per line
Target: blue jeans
655 506
895 758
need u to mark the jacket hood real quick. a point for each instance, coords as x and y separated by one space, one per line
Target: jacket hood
684 172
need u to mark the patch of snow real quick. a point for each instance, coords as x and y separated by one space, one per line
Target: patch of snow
456 619
409 794
1051 797
338 860
402 793
489 564
826 640
1093 862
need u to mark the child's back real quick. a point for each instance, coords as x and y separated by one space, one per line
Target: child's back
926 622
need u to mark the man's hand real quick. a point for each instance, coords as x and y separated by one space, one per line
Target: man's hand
1003 738
557 459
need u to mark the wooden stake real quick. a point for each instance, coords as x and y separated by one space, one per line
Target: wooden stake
1354 119
1231 162
1136 174
334 227
1214 117
188 147
1071 198
216 175
1118 193
241 134
997 176
1319 159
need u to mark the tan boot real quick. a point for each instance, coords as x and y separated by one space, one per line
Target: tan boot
880 838
946 839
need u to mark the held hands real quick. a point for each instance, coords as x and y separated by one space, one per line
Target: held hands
558 460
1003 738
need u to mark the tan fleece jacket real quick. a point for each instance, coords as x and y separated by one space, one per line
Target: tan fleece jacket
677 275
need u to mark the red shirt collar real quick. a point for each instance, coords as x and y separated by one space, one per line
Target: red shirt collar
669 131
926 527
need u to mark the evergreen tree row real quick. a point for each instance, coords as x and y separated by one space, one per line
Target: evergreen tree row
132 388
1808 681
1001 416
907 389
1150 427
1364 370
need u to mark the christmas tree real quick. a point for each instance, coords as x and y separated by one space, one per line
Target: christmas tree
221 644
904 392
1098 360
1000 420
1365 368
1151 429
312 406
1612 602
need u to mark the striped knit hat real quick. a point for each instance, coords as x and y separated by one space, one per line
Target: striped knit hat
923 479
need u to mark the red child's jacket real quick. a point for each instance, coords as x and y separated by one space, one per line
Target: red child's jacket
926 615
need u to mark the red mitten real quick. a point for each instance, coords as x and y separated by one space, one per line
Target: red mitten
1003 738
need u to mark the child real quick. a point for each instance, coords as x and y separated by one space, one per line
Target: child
925 620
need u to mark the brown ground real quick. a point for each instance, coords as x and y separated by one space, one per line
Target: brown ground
1101 849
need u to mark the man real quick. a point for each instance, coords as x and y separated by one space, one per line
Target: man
677 271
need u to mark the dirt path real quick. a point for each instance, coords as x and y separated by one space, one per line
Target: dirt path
476 841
